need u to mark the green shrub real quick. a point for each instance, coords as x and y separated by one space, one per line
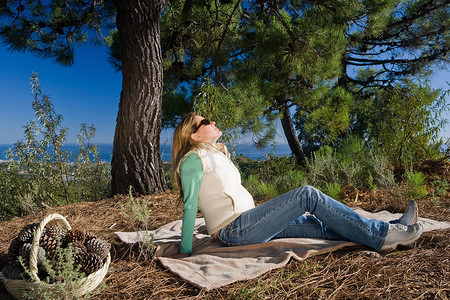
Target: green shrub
91 174
62 280
416 188
40 155
272 177
440 186
260 189
351 163
10 183
323 167
291 180
379 172
333 190
267 190
40 172
405 122
139 211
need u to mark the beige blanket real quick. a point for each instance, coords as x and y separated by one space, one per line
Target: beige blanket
211 265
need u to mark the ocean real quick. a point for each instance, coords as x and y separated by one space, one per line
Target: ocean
105 151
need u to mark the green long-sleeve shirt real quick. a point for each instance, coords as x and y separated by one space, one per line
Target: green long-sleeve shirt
191 173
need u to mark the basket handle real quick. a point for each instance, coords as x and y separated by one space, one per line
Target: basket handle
37 237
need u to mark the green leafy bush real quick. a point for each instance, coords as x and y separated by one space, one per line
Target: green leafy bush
272 177
93 176
323 168
405 122
260 188
379 172
40 172
10 183
350 163
291 180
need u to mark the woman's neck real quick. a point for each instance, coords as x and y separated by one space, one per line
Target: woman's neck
210 144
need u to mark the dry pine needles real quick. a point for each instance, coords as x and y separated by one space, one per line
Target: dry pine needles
351 273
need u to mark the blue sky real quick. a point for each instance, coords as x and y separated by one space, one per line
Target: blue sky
87 92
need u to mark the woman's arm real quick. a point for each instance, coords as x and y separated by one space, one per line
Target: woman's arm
191 173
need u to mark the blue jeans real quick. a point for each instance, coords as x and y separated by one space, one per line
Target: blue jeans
283 217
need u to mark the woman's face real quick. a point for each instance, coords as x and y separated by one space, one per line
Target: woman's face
206 133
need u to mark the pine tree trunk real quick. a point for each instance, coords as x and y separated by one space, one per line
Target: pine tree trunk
136 158
291 136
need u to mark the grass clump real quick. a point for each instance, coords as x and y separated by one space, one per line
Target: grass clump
139 211
260 188
333 190
415 185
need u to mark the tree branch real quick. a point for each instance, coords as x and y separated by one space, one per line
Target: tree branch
224 33
355 61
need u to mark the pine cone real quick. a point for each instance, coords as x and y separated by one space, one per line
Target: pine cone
48 244
74 235
13 271
78 248
55 232
99 247
26 235
79 252
25 252
13 251
88 236
91 263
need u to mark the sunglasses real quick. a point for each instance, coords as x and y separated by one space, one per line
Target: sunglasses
202 122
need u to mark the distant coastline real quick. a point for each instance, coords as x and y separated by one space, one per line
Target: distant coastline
105 151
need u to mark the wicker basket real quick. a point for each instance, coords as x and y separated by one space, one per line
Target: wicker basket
18 287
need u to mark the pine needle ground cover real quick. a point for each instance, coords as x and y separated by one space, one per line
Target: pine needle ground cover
351 273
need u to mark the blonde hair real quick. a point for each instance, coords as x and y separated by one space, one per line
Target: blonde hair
182 144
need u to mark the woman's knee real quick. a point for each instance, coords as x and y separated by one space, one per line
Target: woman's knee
307 196
309 193
307 189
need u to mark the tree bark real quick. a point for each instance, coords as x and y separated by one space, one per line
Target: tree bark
291 136
136 157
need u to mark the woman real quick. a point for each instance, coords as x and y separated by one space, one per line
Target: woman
207 179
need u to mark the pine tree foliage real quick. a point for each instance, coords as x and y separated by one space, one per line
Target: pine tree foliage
320 61
405 38
52 28
266 56
404 123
